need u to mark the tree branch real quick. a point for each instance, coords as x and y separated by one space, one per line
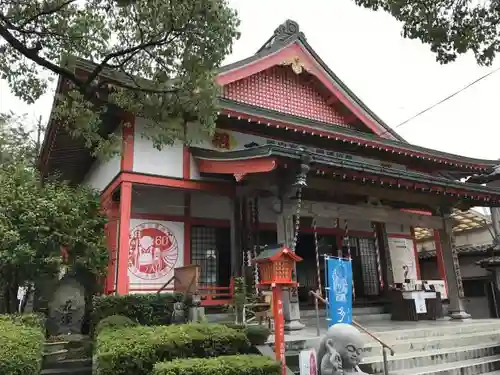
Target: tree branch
46 12
33 56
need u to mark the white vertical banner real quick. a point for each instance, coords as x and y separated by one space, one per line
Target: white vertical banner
307 362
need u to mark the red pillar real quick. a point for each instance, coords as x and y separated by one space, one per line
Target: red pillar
439 258
279 327
122 284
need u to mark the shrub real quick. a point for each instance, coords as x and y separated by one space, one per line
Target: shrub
21 347
135 350
229 365
146 309
30 320
257 335
114 322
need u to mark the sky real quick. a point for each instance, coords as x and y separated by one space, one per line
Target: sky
395 77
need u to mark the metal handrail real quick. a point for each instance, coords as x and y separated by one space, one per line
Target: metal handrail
385 346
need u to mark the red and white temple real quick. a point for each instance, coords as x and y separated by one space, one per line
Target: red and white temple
213 203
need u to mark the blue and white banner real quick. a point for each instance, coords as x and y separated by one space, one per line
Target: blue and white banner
339 290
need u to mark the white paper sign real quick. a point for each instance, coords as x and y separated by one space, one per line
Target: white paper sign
402 259
307 362
420 306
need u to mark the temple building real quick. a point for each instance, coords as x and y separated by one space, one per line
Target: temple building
296 158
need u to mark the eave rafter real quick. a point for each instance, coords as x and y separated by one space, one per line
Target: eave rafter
358 140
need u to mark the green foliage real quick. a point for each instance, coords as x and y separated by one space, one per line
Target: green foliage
257 334
153 58
38 220
146 309
28 320
228 365
450 27
135 350
21 348
114 322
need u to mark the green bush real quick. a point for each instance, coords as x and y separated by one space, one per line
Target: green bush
21 346
135 350
146 309
30 320
228 365
257 335
114 322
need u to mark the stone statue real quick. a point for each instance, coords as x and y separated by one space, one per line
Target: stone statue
178 314
340 351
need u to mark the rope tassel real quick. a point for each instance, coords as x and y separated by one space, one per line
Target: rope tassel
377 253
348 244
317 257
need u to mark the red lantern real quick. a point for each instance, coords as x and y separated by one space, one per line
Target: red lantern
276 265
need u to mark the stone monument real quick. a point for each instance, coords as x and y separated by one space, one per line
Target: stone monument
340 351
67 307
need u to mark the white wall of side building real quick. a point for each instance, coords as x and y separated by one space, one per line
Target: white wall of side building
103 171
166 162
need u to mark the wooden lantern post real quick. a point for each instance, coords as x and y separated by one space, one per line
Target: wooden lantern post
276 265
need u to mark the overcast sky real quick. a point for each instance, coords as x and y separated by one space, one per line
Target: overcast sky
395 77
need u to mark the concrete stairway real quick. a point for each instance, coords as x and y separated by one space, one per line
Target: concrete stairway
71 356
438 348
426 347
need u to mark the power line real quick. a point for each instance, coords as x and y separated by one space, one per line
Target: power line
444 99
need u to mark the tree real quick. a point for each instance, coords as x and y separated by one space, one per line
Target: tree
16 142
450 27
154 58
38 220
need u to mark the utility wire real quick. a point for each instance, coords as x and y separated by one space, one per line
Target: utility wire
443 100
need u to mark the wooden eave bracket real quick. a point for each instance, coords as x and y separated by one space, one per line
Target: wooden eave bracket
238 168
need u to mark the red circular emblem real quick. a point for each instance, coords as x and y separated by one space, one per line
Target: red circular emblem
153 251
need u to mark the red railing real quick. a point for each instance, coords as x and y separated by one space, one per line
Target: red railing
217 295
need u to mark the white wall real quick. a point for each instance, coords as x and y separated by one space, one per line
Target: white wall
149 160
476 237
103 171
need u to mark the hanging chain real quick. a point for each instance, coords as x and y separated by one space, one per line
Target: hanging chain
315 232
456 265
255 226
249 234
297 218
348 244
377 254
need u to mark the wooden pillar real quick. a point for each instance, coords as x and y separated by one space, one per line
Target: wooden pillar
385 256
122 284
236 245
187 229
452 272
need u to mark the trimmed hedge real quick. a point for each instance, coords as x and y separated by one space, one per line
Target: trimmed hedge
256 334
30 320
228 365
21 346
114 322
135 350
146 309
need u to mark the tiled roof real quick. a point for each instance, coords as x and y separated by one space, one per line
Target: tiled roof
491 261
461 250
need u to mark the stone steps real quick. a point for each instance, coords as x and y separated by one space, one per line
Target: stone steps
411 360
476 366
71 357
